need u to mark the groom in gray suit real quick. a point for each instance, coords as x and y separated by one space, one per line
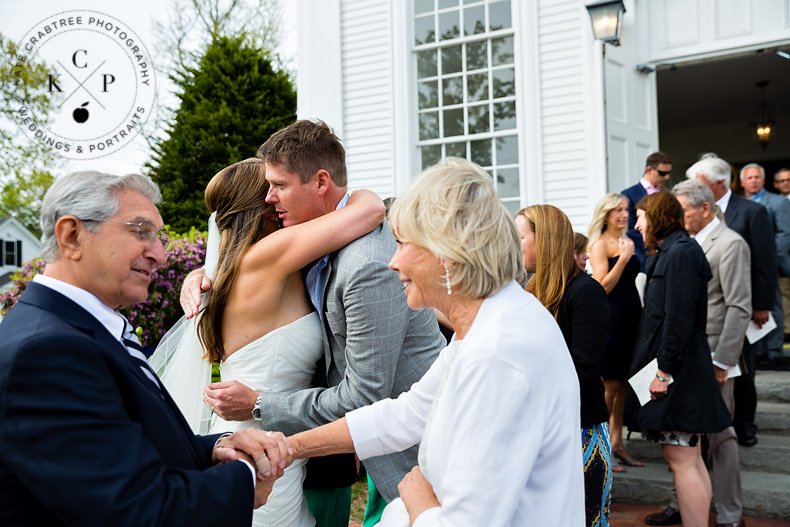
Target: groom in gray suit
729 312
375 346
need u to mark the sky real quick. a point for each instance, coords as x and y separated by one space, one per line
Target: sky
22 19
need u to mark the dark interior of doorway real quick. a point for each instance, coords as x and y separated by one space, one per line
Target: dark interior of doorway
706 106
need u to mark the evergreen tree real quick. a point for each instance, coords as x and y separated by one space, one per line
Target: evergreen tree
230 104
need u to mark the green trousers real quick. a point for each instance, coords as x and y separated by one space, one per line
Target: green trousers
329 507
375 506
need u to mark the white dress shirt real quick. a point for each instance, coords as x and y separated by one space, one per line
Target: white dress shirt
724 201
503 446
702 235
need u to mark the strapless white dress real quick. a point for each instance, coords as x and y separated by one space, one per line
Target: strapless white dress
281 361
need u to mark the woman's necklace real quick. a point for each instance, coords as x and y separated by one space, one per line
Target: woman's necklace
611 237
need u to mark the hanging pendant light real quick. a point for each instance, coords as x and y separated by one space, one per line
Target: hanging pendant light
762 119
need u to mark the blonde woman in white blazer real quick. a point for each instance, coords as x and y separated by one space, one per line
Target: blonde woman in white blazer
497 414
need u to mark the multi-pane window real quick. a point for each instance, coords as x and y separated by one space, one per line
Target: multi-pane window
466 87
11 253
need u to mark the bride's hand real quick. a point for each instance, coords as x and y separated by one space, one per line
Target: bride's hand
194 285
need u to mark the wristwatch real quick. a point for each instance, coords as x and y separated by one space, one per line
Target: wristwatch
256 410
659 377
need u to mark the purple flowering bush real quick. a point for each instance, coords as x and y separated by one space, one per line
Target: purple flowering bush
19 282
161 310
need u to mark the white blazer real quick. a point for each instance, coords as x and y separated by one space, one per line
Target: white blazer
503 447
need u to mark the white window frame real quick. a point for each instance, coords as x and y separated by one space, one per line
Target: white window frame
410 51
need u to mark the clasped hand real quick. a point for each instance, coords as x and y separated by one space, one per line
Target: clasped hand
268 452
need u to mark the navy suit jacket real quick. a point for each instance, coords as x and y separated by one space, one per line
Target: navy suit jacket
634 195
87 439
752 222
778 208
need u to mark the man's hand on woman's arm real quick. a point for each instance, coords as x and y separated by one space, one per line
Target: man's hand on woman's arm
231 400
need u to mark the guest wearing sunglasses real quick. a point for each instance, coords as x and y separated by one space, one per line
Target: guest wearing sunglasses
658 167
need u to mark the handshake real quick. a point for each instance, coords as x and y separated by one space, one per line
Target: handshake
268 452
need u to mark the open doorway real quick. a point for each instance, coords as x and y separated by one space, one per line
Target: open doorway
706 106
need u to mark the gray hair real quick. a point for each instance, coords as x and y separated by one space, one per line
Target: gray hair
696 193
785 169
715 169
452 209
87 195
753 165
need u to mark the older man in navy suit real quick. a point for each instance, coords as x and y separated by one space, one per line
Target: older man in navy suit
658 166
769 349
88 435
752 222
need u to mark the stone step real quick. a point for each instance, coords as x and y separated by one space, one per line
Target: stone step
771 454
772 386
765 494
773 418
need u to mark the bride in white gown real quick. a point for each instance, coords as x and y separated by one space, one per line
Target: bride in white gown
258 322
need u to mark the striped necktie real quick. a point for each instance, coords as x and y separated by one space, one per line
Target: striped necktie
135 349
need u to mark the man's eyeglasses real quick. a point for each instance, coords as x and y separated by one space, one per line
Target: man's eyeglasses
663 173
145 232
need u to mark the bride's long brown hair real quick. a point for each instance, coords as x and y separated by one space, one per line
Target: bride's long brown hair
237 194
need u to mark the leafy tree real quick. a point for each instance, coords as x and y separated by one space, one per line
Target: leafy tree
24 177
21 197
22 83
230 103
193 24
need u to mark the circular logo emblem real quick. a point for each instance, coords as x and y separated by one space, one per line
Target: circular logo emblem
100 82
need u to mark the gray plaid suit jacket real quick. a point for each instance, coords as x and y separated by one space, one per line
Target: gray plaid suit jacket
375 347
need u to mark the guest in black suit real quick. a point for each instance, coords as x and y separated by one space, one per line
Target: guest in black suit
752 222
672 331
89 436
658 167
581 307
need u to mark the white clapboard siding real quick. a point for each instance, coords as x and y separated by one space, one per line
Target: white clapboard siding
561 90
367 86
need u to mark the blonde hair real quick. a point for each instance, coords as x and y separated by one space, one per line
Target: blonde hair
554 266
598 225
453 211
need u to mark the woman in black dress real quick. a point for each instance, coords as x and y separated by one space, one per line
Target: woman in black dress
672 330
615 268
581 308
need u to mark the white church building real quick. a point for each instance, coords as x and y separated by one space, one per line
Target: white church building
523 88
